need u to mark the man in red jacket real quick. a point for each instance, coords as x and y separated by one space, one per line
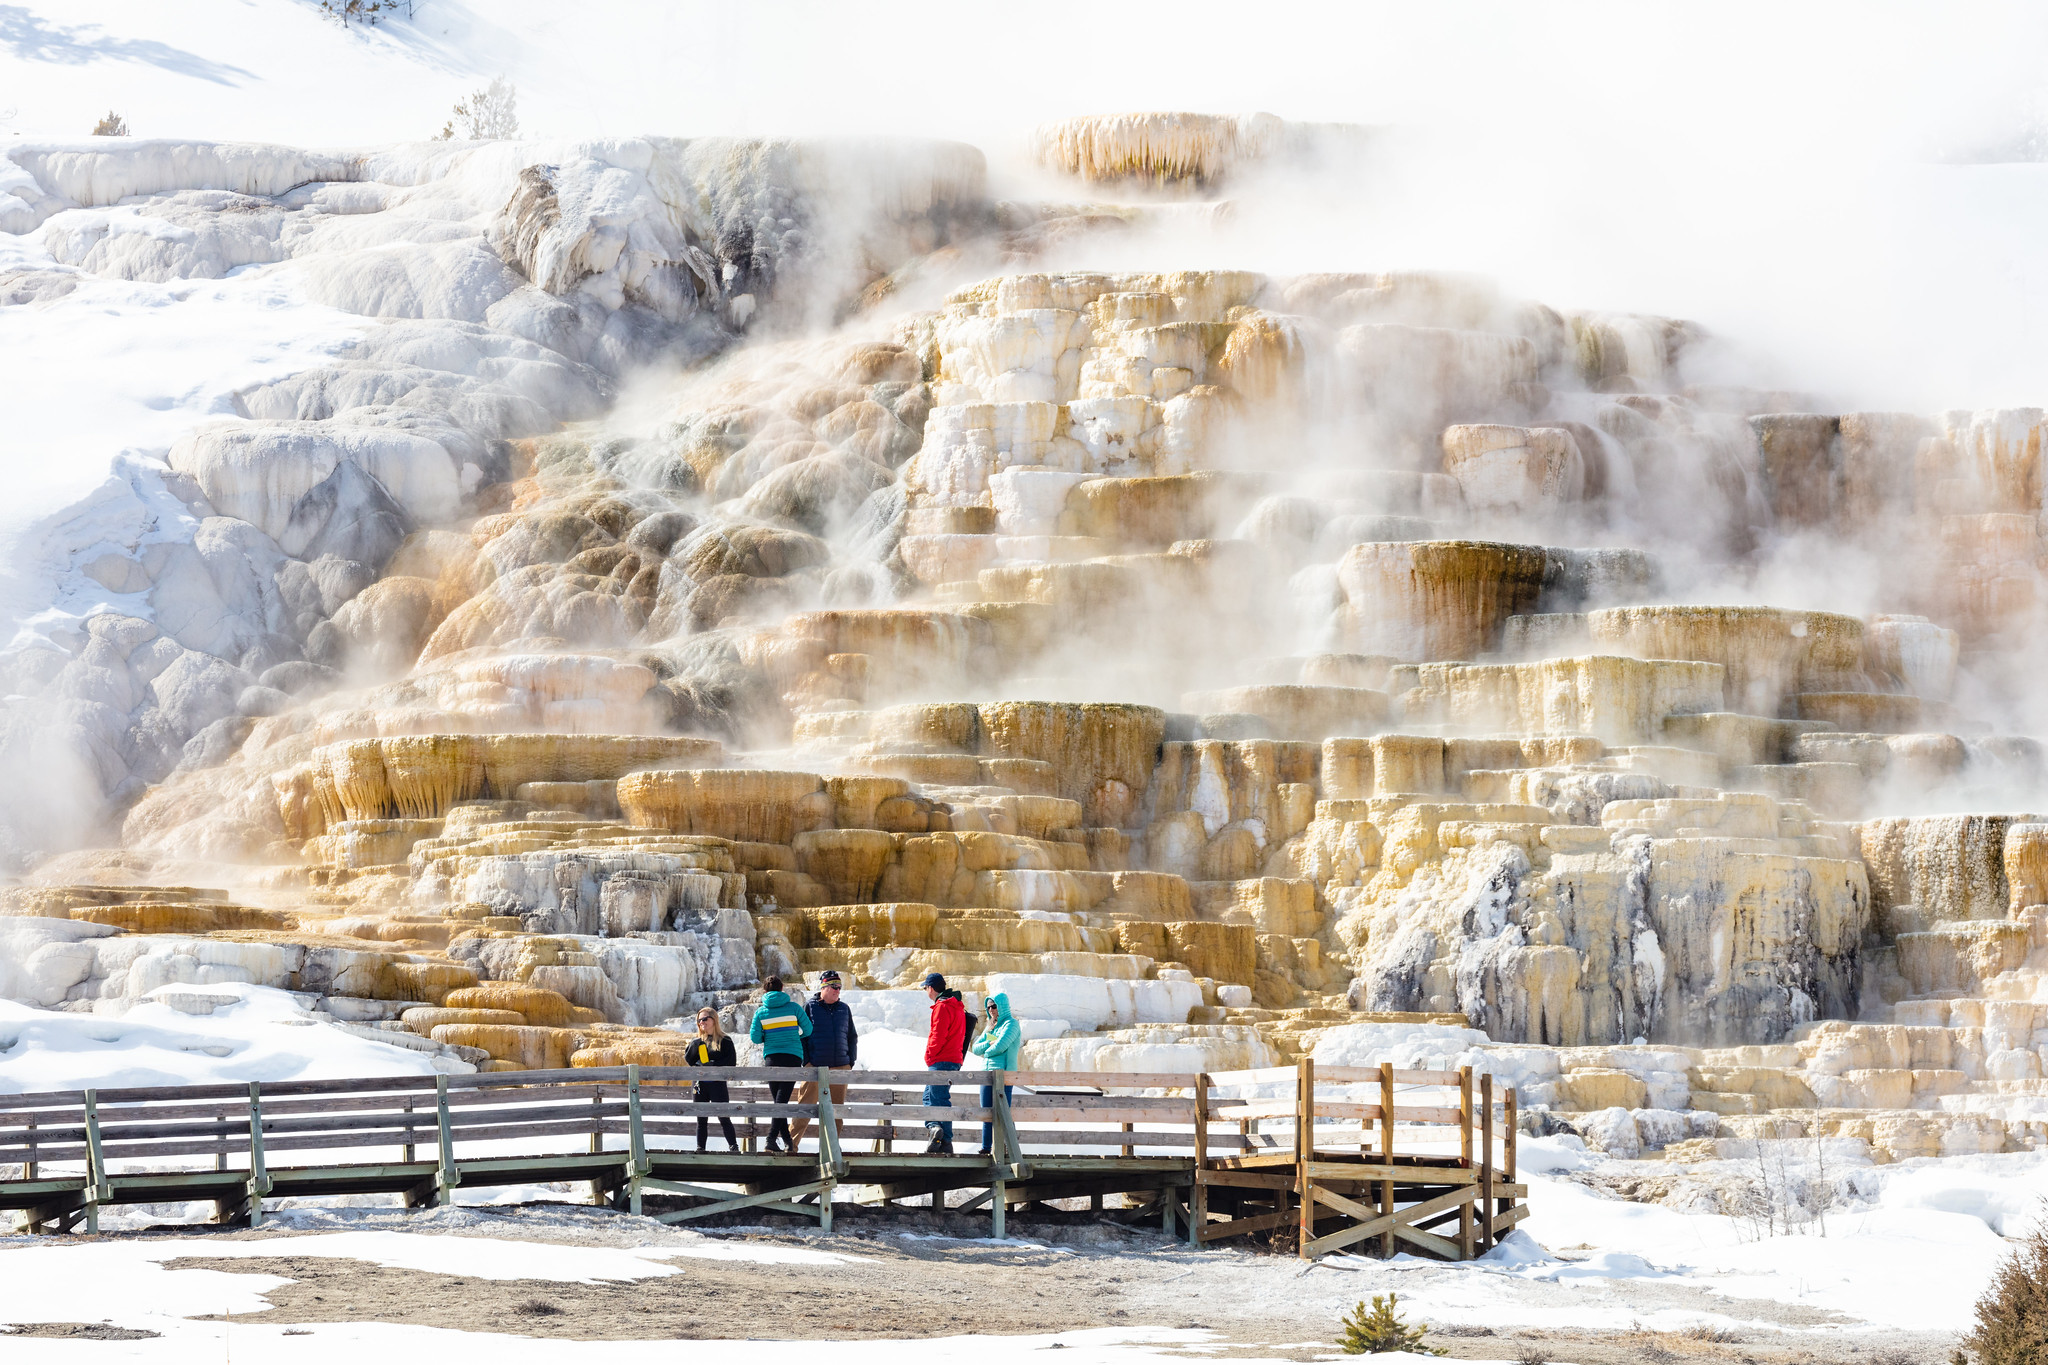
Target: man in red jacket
944 1049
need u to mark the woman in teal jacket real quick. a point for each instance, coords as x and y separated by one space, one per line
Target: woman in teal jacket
1000 1042
780 1027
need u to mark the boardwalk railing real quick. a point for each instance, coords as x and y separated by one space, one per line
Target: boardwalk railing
1213 1156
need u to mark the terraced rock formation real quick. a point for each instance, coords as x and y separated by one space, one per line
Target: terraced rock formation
1215 662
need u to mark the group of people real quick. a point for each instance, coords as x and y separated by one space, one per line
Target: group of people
946 1046
819 1033
822 1033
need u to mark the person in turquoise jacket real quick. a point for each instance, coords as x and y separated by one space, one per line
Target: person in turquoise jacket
1002 1038
780 1027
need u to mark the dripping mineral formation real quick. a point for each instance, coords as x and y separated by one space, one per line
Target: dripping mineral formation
1223 665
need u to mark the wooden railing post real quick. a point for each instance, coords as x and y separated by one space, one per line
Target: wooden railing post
1465 1117
98 1190
597 1189
1507 1160
1305 1149
1198 1196
259 1170
636 1140
1465 1158
28 1167
1486 1162
405 1153
446 1175
831 1166
829 1155
1386 1202
1001 1154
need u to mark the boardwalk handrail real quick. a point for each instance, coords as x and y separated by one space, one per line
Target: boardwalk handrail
1207 1158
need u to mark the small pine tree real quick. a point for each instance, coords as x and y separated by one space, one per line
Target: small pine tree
113 125
1379 1329
2012 1317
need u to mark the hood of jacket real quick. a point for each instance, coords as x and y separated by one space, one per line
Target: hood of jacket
947 994
775 1000
1002 1004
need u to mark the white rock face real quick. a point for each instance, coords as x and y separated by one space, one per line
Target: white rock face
42 960
499 286
265 474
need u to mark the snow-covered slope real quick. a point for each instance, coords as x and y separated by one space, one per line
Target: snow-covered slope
355 330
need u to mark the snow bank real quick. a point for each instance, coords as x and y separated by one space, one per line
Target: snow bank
186 1035
1417 1047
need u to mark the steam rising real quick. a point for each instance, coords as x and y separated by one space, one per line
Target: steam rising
1460 558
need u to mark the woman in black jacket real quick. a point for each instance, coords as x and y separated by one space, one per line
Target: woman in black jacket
712 1048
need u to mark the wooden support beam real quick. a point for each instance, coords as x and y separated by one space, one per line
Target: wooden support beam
1367 1171
1344 1206
1486 1162
1386 1201
1507 1161
1198 1196
1305 1149
98 1190
1430 1242
782 1197
447 1176
1394 1223
1249 1180
1244 1227
259 1169
1467 1233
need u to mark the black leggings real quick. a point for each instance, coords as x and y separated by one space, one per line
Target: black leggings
779 1092
704 1131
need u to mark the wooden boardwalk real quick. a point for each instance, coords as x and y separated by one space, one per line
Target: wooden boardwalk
1213 1156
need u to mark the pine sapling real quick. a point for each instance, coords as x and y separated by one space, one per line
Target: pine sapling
1379 1329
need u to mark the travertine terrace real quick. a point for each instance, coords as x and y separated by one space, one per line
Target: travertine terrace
1205 658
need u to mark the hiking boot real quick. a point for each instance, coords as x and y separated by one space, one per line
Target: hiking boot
932 1148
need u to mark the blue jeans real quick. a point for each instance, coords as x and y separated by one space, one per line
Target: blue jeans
938 1097
988 1131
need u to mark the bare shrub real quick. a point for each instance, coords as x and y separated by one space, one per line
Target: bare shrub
113 125
1779 1198
2012 1317
486 115
537 1308
346 12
